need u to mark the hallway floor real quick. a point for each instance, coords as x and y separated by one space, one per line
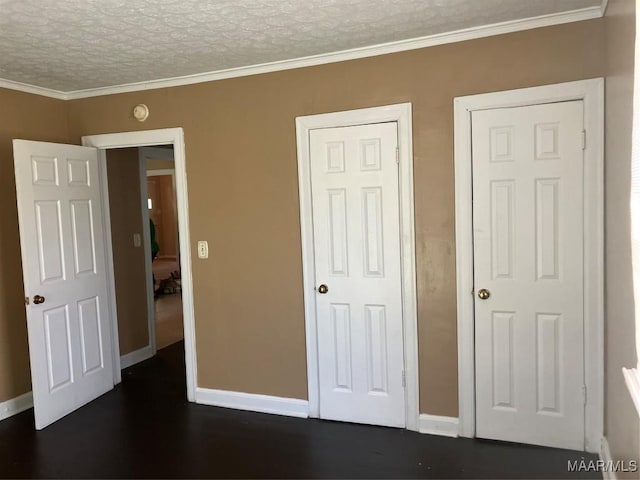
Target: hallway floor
169 325
146 428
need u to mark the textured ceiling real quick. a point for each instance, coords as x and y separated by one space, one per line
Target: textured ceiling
71 45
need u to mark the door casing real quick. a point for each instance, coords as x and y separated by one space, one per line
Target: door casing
591 92
401 114
174 136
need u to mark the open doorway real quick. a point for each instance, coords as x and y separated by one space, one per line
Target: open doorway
162 212
145 246
171 142
63 203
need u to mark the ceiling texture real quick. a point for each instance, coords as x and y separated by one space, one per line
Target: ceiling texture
71 45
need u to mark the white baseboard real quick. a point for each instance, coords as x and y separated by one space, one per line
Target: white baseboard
438 425
291 407
136 356
16 405
605 456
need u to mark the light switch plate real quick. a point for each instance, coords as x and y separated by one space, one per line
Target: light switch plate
203 249
137 240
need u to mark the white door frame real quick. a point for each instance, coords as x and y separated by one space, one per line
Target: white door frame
174 136
400 113
591 92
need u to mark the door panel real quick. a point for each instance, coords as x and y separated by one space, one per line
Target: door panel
63 257
528 253
354 178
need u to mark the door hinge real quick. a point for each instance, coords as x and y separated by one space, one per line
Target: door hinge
404 379
26 300
584 394
584 139
398 155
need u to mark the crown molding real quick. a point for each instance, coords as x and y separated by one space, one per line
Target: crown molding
24 87
588 13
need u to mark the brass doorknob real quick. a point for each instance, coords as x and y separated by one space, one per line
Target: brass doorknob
38 299
483 294
323 288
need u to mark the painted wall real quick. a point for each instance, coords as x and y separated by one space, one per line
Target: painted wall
621 429
243 190
28 117
240 140
123 173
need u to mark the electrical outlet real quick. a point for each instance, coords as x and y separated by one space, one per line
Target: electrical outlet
203 249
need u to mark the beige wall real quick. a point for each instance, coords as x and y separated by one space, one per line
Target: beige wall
621 429
240 141
28 117
123 173
243 190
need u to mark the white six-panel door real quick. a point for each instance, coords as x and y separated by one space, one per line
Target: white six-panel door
63 259
354 183
528 257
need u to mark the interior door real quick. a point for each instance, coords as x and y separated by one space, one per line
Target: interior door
63 259
528 249
354 183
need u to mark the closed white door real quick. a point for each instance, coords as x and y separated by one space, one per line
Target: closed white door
528 260
63 261
354 183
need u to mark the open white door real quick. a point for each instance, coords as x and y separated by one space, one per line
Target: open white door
64 268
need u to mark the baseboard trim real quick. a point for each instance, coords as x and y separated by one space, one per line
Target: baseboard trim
605 456
136 356
291 407
438 425
16 405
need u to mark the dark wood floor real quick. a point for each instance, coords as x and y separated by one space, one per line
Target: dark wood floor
146 428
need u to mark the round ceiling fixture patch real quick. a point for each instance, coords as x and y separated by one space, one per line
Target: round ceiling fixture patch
141 112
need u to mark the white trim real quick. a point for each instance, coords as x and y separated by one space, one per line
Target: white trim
291 407
166 136
591 92
16 405
605 456
400 113
146 239
632 379
137 356
438 425
465 34
111 281
33 89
